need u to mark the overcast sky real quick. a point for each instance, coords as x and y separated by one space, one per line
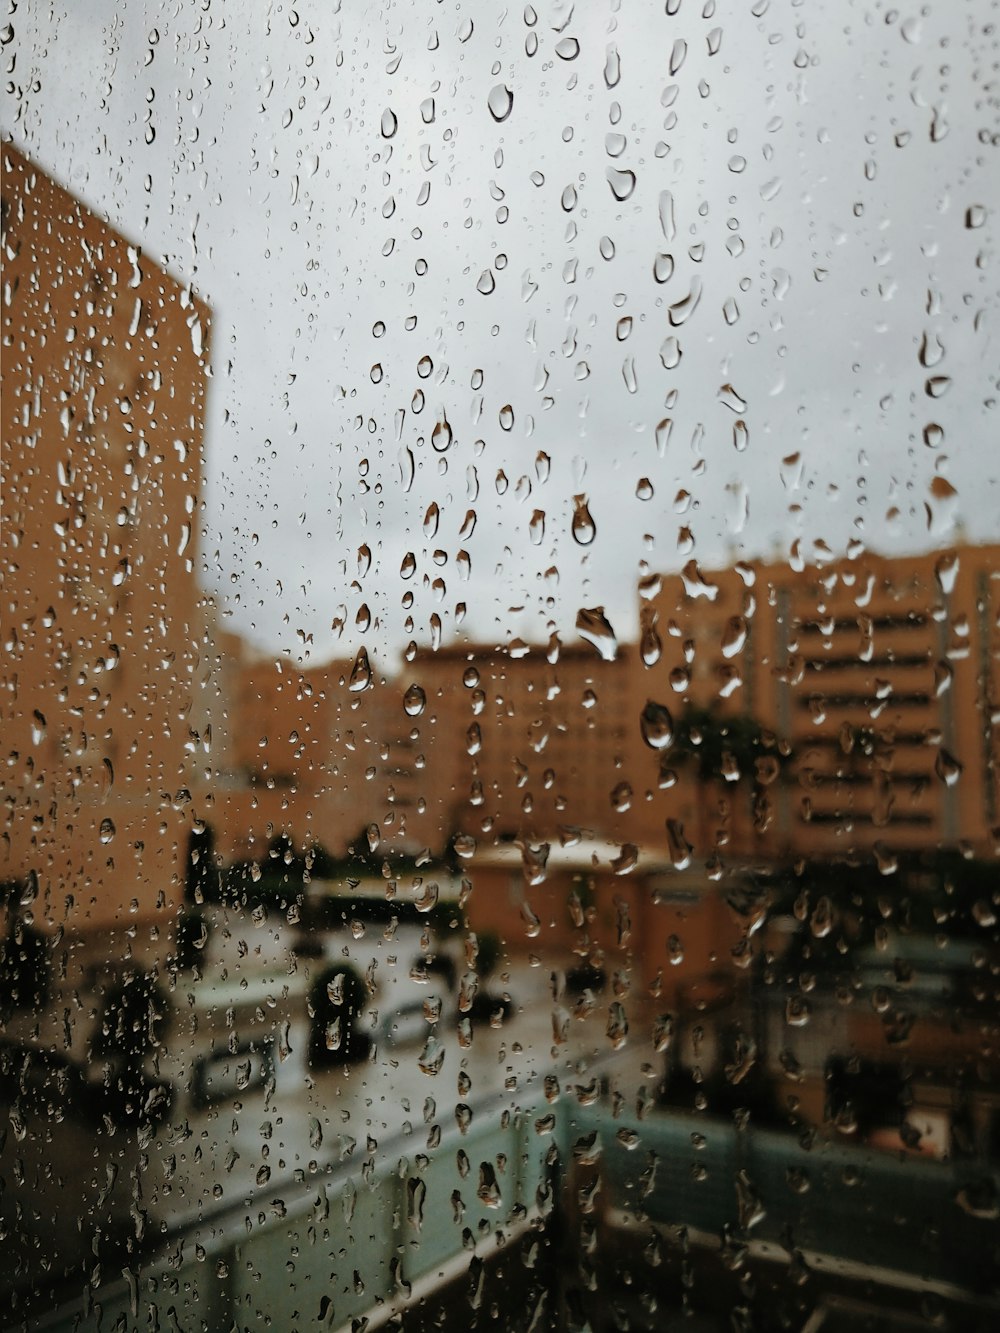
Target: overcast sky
810 170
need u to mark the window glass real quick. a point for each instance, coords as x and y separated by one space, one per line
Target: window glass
501 703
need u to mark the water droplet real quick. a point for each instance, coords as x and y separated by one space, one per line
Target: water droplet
536 527
946 572
975 217
568 48
427 896
931 350
107 830
678 847
38 727
933 435
670 353
416 1194
617 1028
621 797
361 674
663 1032
667 223
741 436
463 1117
656 726
500 102
682 310
583 527
622 182
734 636
822 918
663 268
431 1058
612 67
644 489
947 767
594 626
731 399
441 436
389 123
487 282
650 645
467 992
983 914
414 701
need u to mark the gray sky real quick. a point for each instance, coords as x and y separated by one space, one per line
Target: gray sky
820 163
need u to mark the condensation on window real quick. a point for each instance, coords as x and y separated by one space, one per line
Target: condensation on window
501 667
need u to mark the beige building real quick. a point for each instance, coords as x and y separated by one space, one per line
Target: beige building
470 739
530 741
873 683
316 754
104 383
881 676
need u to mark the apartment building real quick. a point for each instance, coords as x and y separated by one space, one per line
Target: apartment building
530 740
104 385
877 675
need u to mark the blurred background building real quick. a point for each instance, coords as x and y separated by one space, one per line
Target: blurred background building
801 712
878 679
104 384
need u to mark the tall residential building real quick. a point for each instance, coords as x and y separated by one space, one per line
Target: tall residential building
879 675
104 384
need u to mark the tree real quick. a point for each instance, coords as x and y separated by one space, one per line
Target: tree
720 748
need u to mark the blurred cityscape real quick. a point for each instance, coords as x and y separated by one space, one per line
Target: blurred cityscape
704 925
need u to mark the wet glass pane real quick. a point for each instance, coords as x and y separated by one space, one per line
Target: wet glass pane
501 673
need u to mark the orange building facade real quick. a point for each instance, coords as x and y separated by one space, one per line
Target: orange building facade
872 683
879 678
104 385
467 740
